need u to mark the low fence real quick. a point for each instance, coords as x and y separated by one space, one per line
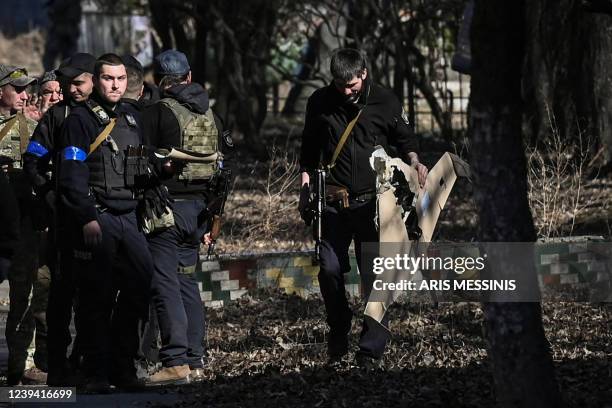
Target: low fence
452 95
562 264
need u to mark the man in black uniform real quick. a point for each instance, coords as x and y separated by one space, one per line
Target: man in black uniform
75 76
9 225
101 205
181 119
379 122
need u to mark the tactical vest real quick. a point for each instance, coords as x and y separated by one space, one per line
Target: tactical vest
199 134
107 163
15 131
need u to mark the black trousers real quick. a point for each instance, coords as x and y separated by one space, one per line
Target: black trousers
340 228
62 297
113 281
175 295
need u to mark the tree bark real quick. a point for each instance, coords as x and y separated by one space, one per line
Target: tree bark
568 72
523 372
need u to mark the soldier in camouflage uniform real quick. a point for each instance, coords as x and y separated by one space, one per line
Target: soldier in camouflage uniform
26 314
182 119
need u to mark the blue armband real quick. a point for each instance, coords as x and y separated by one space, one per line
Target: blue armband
36 149
74 153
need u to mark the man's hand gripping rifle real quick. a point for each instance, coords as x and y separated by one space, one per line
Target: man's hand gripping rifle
220 188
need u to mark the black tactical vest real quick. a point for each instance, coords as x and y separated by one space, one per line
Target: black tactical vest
107 163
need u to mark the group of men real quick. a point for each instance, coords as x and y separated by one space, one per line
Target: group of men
88 166
85 163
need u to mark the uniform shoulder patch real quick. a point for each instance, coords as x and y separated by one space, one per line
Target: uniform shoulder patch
130 119
98 112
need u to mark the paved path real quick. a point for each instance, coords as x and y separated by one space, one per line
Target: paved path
117 400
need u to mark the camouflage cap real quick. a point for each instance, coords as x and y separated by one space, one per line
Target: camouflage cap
16 76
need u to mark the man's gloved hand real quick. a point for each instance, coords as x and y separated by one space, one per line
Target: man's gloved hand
5 265
304 204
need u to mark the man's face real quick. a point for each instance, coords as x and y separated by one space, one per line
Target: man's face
13 98
80 87
351 89
111 83
50 94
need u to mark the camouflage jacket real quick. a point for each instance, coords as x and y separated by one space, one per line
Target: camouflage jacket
14 141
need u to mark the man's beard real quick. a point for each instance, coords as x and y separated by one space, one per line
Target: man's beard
353 98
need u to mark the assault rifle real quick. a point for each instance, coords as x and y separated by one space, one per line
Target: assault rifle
220 187
317 208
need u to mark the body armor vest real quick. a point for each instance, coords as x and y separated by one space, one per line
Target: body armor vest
199 134
107 163
16 131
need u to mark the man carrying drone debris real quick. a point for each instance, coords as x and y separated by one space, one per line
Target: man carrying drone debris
345 120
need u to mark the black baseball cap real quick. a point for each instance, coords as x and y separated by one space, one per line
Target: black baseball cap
76 65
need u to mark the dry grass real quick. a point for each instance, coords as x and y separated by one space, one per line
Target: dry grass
261 212
562 189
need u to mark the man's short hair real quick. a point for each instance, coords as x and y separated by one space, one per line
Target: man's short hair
134 80
106 59
347 63
168 81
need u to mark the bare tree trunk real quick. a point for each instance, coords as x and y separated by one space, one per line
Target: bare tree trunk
568 71
522 365
243 42
201 45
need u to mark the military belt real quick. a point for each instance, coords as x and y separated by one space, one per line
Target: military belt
362 197
186 270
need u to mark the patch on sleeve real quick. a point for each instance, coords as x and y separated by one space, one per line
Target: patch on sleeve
227 138
130 119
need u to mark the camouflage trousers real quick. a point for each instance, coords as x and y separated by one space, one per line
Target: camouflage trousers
29 289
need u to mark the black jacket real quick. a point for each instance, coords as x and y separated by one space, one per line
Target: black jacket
37 161
80 129
9 218
380 123
162 131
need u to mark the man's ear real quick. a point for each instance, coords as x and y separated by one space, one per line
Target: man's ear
141 92
364 74
188 80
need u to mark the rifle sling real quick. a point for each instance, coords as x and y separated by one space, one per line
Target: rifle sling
102 136
24 133
8 125
343 139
